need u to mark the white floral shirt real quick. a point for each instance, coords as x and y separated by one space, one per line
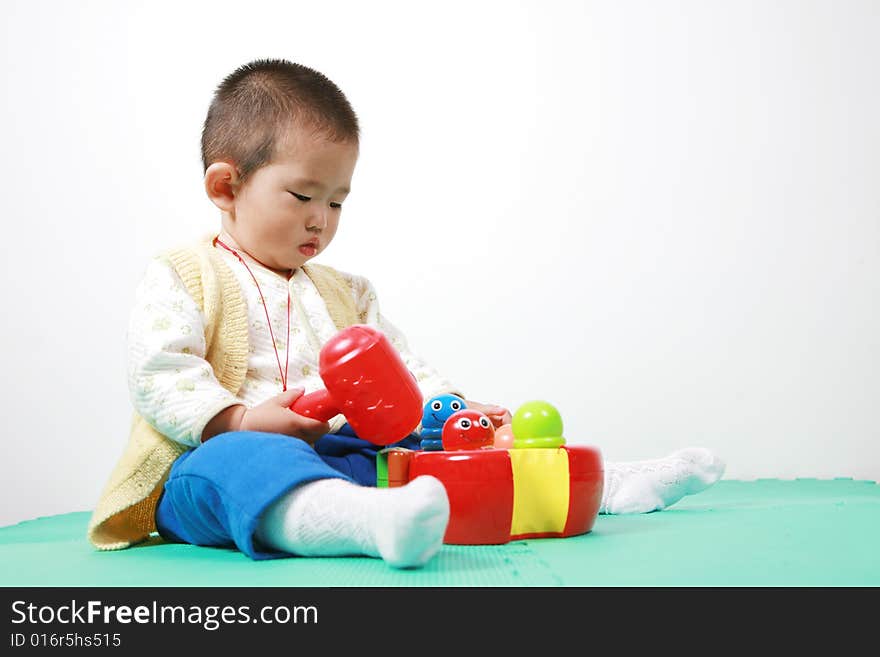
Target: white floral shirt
173 387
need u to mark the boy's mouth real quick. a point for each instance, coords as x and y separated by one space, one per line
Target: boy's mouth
309 249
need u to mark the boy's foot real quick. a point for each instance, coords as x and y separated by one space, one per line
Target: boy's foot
644 486
409 524
334 517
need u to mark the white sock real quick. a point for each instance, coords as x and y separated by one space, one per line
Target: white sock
334 517
643 486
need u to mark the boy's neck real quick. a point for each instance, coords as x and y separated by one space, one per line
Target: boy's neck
229 241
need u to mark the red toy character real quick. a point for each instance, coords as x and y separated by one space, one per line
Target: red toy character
468 429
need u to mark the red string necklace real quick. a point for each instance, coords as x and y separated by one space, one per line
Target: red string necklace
269 323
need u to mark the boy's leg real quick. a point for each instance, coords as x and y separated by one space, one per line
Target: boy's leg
219 494
644 486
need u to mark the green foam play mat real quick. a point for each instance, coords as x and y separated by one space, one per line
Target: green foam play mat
768 532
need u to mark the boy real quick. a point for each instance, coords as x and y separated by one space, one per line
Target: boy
224 337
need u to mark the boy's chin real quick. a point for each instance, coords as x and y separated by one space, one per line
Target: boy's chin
296 263
285 266
293 267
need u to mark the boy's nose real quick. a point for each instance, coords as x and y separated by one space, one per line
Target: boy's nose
318 221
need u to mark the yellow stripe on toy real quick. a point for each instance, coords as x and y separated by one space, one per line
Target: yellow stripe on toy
540 490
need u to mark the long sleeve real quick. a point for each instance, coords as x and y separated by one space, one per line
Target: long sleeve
431 382
171 384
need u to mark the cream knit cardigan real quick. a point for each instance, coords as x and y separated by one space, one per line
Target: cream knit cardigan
126 509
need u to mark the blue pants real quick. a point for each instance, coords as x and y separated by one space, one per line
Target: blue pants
216 493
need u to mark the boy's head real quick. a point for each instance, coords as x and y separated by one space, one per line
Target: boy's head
279 147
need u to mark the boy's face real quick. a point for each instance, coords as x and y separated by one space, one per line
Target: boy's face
288 211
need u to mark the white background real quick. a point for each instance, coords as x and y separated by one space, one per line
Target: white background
664 218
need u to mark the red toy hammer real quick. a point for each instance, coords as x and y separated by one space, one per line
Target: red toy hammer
368 383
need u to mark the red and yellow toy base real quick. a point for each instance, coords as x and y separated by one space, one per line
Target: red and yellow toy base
499 495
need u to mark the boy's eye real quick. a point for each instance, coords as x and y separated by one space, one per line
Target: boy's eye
304 199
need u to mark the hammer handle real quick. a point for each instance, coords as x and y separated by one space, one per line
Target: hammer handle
317 405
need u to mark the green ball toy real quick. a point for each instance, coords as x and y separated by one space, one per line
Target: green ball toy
537 424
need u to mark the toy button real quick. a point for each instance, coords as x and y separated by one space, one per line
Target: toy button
537 424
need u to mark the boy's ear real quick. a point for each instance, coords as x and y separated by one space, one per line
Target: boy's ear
221 184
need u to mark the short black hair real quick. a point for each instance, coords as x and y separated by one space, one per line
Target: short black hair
255 106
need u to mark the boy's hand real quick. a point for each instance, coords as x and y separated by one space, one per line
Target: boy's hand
497 414
273 416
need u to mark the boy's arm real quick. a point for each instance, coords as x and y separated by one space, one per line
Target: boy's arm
273 416
171 384
229 419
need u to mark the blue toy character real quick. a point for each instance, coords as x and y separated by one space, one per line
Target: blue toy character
437 410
